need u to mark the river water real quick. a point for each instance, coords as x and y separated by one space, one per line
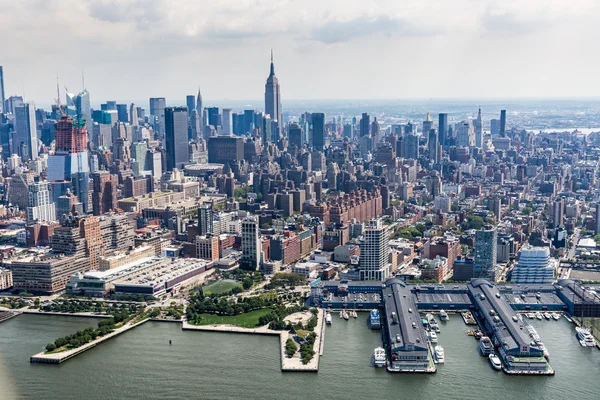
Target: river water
141 364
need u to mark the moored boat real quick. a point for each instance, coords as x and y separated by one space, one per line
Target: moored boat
495 362
486 346
374 319
432 337
438 353
345 315
328 318
444 315
555 316
585 337
538 315
379 357
547 315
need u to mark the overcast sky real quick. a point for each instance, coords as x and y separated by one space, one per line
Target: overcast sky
324 49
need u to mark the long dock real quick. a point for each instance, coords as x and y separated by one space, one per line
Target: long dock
65 314
8 314
58 358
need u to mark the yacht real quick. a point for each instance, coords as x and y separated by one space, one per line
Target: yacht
328 318
374 319
538 315
495 362
354 314
345 315
585 337
444 315
439 354
547 315
530 315
433 337
486 346
555 316
379 358
341 313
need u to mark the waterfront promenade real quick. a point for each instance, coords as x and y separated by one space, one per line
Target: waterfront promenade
57 358
293 364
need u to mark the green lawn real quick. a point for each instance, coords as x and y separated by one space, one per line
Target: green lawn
248 320
220 287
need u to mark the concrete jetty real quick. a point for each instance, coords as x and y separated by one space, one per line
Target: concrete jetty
6 314
57 358
65 314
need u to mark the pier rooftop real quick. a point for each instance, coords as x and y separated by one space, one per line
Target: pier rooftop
406 337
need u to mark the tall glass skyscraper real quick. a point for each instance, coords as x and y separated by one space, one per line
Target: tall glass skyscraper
484 263
273 97
176 137
318 131
2 99
442 129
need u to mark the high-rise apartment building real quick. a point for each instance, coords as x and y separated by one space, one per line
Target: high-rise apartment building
41 207
374 252
478 128
251 245
205 219
2 98
432 146
273 97
176 137
485 253
104 192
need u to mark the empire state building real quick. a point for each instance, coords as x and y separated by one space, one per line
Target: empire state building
273 97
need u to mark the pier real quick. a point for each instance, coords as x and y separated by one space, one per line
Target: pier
58 358
6 314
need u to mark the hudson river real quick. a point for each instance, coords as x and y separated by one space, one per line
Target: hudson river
141 364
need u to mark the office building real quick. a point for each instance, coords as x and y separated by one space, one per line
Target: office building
478 128
495 127
374 252
200 108
12 103
411 146
133 115
558 212
534 266
122 113
190 102
442 129
485 253
251 245
207 247
295 135
176 137
502 123
157 109
2 98
318 130
365 124
432 146
225 149
79 105
427 125
227 122
465 134
25 140
273 98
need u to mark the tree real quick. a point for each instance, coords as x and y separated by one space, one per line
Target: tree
50 347
247 283
290 348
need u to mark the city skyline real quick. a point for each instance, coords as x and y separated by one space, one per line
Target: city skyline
429 50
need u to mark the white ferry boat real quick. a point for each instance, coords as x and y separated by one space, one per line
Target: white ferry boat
439 354
379 358
486 346
585 337
495 362
444 315
328 318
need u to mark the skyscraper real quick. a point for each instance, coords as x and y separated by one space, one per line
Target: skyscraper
478 126
104 192
364 124
465 134
250 244
427 125
227 121
318 130
374 252
2 98
494 127
190 102
41 207
133 115
200 109
122 113
432 146
485 253
502 123
534 266
157 109
273 97
80 105
442 129
25 140
176 137
295 135
70 160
